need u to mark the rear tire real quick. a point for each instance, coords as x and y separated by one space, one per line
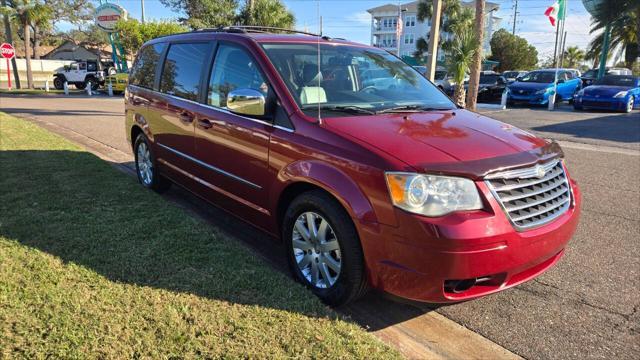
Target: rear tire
577 107
333 255
146 168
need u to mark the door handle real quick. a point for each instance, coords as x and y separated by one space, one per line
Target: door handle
205 123
186 117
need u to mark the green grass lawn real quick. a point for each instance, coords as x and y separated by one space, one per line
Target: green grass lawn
94 266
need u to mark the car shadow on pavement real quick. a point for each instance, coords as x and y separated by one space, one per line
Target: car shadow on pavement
620 127
71 205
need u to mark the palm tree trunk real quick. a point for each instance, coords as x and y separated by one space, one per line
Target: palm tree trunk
36 43
474 78
459 95
27 53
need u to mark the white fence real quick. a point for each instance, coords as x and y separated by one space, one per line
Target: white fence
43 70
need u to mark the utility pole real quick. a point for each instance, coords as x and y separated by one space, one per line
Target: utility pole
564 42
515 18
7 31
250 6
434 36
142 10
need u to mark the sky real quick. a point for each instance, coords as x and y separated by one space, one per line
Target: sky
349 19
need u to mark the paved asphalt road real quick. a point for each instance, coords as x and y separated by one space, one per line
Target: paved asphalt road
585 307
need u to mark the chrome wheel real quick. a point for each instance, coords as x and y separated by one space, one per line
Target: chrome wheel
145 167
316 250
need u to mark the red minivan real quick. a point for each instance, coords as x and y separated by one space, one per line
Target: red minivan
369 174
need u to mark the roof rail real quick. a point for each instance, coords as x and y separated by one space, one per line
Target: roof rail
254 29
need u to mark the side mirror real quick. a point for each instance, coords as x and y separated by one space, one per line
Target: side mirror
560 81
246 102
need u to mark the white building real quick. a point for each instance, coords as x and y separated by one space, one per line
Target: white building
384 22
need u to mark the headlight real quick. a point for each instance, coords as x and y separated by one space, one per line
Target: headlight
581 92
620 94
432 195
543 91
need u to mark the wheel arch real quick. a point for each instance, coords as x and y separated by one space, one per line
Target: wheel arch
305 176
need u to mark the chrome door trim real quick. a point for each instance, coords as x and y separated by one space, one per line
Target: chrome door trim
214 188
211 167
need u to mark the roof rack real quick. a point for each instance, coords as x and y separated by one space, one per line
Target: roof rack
254 29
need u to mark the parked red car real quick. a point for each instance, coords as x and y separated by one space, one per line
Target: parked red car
369 174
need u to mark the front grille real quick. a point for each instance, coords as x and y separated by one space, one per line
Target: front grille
532 196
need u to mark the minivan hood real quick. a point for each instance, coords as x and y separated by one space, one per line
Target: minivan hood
420 139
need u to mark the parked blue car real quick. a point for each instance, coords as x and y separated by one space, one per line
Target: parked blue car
612 92
536 87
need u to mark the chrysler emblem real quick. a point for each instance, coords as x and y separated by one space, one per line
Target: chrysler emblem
540 171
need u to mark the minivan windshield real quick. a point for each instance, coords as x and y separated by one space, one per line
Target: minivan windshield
352 80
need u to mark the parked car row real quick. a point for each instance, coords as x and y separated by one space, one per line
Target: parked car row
618 90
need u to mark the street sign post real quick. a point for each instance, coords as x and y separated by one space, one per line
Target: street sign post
8 52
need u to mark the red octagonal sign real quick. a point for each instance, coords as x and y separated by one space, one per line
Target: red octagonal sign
7 51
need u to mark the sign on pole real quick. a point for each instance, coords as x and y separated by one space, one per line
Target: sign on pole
8 52
108 14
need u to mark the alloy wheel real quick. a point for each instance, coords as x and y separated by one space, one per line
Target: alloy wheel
316 250
145 167
630 104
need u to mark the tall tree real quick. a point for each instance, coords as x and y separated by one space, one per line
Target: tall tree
461 53
454 16
266 13
572 57
625 30
474 77
512 52
41 23
215 13
23 11
133 33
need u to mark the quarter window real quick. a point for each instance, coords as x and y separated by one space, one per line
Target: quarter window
183 68
233 69
143 72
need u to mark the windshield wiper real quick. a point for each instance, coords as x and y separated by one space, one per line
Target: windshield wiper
409 108
351 109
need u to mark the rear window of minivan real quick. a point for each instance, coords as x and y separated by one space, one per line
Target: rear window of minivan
183 68
143 72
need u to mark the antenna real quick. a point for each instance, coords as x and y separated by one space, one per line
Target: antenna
319 59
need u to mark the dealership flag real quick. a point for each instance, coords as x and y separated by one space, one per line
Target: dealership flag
556 11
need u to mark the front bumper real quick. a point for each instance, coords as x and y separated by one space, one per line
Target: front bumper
422 254
533 99
600 103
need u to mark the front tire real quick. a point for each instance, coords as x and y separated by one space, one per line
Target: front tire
323 248
58 82
630 105
146 168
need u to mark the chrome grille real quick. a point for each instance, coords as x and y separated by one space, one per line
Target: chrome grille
532 196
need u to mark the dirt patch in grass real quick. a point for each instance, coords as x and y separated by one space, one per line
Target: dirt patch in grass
94 266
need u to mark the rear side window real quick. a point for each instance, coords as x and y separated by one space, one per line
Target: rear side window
233 69
183 68
143 73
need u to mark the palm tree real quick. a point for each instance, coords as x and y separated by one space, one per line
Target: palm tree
41 16
474 77
266 13
625 29
573 56
462 50
23 11
454 16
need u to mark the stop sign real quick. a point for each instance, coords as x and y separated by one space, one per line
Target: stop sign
7 51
